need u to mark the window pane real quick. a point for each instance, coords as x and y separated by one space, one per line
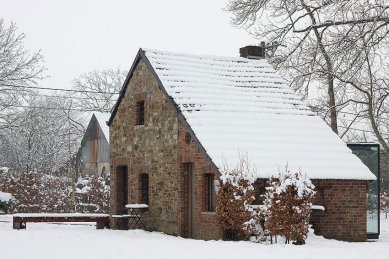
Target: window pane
369 154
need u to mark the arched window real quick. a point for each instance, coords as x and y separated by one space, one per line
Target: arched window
140 113
144 189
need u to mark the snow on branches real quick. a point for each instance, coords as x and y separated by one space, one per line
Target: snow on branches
384 202
288 200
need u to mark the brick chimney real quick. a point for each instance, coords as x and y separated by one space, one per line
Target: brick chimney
252 52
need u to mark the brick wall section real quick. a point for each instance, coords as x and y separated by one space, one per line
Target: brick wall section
205 223
345 204
150 148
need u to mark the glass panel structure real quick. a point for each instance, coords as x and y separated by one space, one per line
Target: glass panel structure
370 156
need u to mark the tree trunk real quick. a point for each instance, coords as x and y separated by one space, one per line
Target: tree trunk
329 71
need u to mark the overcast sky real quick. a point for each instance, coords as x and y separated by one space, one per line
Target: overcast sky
78 36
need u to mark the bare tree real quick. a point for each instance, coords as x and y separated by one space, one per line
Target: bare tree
18 68
44 133
99 89
321 39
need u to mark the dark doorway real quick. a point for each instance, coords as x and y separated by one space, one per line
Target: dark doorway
188 200
121 189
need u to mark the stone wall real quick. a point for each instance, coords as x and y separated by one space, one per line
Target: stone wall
344 217
151 148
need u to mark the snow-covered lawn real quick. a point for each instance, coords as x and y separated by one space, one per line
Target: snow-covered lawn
44 240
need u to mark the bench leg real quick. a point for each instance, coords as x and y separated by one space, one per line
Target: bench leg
19 225
102 225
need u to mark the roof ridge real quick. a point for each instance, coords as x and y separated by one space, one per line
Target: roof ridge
204 56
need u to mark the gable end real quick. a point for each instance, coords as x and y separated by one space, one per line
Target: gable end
141 55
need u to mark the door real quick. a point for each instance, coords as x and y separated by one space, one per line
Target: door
188 200
121 189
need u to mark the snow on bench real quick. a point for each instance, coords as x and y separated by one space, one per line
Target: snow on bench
20 219
317 207
137 206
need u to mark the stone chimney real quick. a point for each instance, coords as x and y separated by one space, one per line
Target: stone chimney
252 52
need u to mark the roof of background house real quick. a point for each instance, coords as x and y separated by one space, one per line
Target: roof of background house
241 106
102 119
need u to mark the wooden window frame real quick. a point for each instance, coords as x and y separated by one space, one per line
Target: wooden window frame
144 191
209 204
140 113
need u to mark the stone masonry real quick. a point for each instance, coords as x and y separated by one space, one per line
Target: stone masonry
158 148
150 148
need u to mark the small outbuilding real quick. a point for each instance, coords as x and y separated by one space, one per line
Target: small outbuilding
179 118
93 153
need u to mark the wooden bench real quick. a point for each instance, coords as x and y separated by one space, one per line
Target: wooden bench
20 220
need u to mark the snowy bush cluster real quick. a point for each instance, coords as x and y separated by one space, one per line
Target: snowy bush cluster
285 212
92 195
36 193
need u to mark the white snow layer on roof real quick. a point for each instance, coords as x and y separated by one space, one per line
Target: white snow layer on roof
236 105
102 118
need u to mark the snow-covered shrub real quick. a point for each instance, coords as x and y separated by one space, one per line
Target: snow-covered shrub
92 195
56 197
26 188
288 200
235 195
35 193
6 202
384 202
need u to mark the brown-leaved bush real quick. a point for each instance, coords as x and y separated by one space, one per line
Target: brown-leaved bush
288 201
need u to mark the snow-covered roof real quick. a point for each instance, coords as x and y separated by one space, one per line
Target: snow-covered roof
102 119
236 105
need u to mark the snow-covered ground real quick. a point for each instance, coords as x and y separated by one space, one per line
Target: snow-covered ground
44 240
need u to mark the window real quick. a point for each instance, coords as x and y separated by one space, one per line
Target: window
144 189
140 113
259 188
188 138
209 193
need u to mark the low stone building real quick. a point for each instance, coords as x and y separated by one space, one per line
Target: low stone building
93 155
179 118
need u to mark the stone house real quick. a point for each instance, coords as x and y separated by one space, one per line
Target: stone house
93 154
179 118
